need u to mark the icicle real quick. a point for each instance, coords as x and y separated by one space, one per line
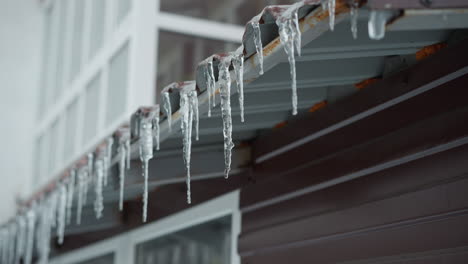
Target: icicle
146 152
258 41
70 193
224 82
107 159
331 13
90 163
20 238
377 22
82 189
62 207
123 151
156 130
290 37
167 107
354 18
196 117
238 64
208 73
29 243
53 202
99 181
129 151
12 232
188 96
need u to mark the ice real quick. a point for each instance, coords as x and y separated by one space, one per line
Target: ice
82 192
188 108
30 221
331 13
156 130
210 83
167 107
90 163
123 150
108 159
290 35
53 202
238 64
62 207
146 150
12 232
257 37
46 216
196 115
20 238
377 21
129 151
224 82
354 19
99 181
70 193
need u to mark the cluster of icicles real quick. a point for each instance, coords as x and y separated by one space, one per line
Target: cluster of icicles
31 230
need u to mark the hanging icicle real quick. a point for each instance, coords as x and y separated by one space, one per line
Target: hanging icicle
31 222
98 184
331 13
70 193
123 151
188 110
208 72
238 64
290 36
354 18
224 82
156 130
167 107
107 159
20 238
257 38
146 147
61 213
82 192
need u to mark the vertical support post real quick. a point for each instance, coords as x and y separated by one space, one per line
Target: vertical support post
143 41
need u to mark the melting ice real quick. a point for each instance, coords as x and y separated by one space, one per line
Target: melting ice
238 64
124 154
257 37
290 36
224 82
99 181
189 110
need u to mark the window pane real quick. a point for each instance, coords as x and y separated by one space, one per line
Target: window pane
63 9
205 243
91 108
227 11
179 55
123 7
97 26
70 130
78 20
45 62
117 90
106 259
53 143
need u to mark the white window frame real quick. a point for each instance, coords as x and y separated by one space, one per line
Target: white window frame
124 245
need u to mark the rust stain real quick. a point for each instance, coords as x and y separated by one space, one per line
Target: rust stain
365 83
271 46
318 106
280 125
429 50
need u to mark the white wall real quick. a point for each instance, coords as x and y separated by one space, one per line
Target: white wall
20 44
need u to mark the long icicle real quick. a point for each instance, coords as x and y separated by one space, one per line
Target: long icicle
290 38
238 64
98 184
108 158
123 149
70 193
62 207
188 96
224 82
156 130
31 221
146 151
331 13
